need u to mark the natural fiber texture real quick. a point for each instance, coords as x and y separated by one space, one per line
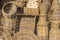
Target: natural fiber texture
55 25
9 20
9 24
20 3
42 33
31 11
9 11
27 23
55 14
42 26
55 5
32 4
54 34
25 35
55 11
4 34
43 6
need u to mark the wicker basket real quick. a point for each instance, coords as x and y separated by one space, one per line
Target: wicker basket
42 26
4 34
27 23
25 35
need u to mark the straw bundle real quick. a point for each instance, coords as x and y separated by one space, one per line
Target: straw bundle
25 35
42 26
27 23
55 14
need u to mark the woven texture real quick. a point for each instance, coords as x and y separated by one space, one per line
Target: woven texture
4 34
25 35
27 23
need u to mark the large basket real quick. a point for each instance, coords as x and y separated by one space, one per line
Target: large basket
25 35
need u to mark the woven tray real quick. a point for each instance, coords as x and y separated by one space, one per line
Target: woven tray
25 35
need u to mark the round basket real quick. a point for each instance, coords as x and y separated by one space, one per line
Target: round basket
4 34
25 35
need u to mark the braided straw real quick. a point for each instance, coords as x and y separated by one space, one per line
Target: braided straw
25 35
